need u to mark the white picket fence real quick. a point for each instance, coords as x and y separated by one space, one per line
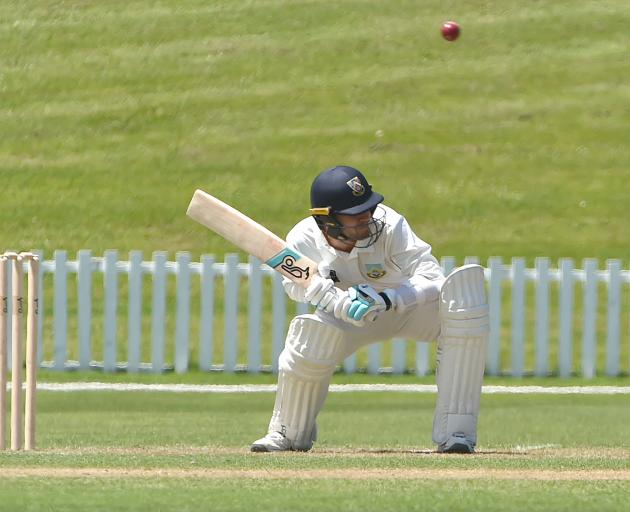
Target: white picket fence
507 287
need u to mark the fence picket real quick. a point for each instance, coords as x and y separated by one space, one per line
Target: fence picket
84 307
302 308
399 356
158 317
422 358
110 275
448 264
374 358
565 351
254 316
350 363
614 313
493 355
134 320
61 310
206 332
182 315
589 334
231 280
541 367
518 316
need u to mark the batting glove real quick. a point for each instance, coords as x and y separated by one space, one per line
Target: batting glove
337 302
320 292
367 303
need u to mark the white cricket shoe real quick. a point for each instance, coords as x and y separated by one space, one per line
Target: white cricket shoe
272 442
457 443
277 442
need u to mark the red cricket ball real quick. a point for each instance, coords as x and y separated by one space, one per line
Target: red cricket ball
450 30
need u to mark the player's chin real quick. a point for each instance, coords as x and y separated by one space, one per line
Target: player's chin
361 235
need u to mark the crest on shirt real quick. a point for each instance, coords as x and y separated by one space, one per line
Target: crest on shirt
375 270
357 187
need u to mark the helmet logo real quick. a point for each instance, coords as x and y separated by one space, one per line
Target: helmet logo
357 187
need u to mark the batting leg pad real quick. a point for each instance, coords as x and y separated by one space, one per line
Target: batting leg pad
461 354
306 366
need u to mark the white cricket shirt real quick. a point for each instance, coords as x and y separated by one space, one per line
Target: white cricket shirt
399 257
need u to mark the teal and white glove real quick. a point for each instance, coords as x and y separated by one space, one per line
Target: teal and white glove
367 303
359 304
338 302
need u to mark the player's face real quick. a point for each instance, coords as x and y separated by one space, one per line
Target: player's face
356 227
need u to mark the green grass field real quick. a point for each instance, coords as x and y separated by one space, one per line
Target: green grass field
509 142
160 451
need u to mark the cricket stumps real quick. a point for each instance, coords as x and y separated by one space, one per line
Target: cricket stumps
13 301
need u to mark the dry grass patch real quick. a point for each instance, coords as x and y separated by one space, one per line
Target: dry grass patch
321 474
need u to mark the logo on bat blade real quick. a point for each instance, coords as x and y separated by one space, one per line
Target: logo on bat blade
288 265
286 259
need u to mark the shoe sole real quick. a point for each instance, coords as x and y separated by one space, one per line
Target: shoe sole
458 448
259 448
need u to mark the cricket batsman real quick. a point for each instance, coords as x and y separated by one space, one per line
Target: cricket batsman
376 280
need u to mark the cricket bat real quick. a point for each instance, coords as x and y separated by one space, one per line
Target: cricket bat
250 236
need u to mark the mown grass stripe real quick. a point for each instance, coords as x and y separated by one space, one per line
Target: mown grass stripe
334 388
329 473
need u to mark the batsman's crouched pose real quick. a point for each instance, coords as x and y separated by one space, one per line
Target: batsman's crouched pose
377 280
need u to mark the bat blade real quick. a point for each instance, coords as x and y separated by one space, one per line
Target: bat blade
250 236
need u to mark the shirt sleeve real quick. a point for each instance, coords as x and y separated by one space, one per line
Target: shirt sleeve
299 239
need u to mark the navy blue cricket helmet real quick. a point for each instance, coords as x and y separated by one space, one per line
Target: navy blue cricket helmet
344 190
